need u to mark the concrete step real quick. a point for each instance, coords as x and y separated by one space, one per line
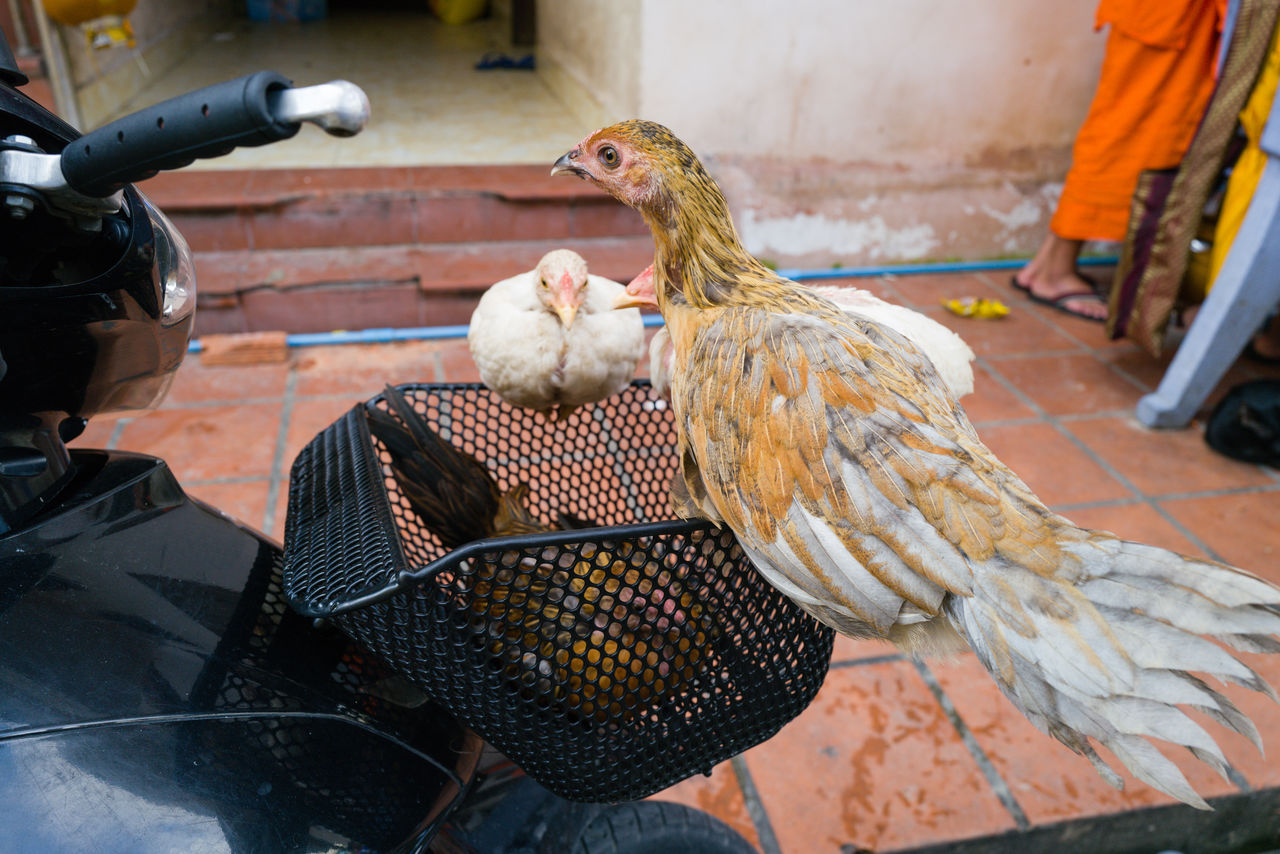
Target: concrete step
296 208
314 250
359 287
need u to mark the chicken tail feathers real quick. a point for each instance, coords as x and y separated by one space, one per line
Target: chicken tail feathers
1102 650
452 493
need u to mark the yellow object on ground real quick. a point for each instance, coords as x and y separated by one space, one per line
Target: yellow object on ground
980 308
457 11
1248 169
76 12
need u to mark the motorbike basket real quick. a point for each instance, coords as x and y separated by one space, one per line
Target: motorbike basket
609 662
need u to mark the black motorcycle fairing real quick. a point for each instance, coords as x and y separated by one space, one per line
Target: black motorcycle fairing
152 673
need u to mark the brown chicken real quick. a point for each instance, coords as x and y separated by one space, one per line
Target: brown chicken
831 447
600 632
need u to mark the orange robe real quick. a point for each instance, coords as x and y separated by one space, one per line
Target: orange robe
1156 80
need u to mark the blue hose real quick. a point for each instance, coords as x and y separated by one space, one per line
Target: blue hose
439 333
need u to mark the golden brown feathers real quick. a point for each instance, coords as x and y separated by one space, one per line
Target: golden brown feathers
840 459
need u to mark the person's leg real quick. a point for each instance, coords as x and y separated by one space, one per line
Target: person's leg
1052 276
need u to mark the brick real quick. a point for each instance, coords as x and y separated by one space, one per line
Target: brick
245 348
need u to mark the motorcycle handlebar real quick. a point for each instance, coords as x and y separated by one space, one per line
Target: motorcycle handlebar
253 110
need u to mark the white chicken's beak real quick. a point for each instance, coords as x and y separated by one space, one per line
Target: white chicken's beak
567 314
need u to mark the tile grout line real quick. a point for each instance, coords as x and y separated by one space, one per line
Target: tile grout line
1167 496
1215 493
1027 355
224 481
1235 776
1100 354
1096 352
887 658
1136 493
277 460
117 430
755 806
1031 419
254 401
998 785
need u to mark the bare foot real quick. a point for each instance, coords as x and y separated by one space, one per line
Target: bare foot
1051 277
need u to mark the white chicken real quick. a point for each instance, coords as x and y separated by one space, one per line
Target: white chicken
947 350
549 339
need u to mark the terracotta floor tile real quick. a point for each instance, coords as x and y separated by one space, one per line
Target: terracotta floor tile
876 285
97 433
1020 332
196 383
309 417
363 370
1261 770
991 401
1047 780
1087 332
928 290
209 442
1139 522
1241 528
456 364
281 511
1052 465
246 500
1070 384
1149 370
873 763
848 649
1163 462
1138 363
720 795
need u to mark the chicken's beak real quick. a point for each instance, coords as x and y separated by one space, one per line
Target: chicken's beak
567 313
629 300
639 292
567 165
568 299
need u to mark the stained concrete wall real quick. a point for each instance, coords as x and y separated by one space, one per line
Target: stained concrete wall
165 32
849 132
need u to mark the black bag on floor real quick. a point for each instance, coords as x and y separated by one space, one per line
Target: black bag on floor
1246 424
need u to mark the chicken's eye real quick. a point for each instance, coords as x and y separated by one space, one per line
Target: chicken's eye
543 283
609 156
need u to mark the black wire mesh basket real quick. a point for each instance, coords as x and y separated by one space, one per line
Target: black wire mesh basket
610 661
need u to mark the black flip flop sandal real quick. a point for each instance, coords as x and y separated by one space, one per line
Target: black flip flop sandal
1059 303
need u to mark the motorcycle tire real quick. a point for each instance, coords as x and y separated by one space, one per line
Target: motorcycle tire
657 827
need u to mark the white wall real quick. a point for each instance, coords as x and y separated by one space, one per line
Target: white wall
589 52
869 80
847 131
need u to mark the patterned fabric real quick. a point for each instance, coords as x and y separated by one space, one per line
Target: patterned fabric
1252 160
1166 212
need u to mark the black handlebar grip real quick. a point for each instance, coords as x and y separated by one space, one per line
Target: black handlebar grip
208 122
